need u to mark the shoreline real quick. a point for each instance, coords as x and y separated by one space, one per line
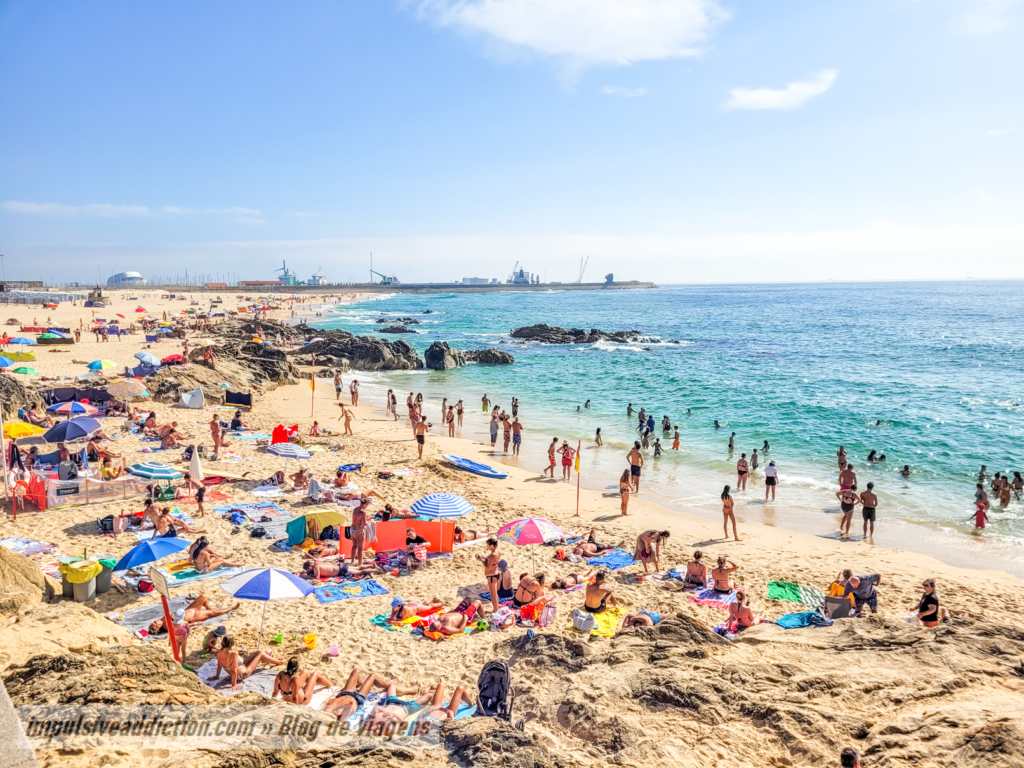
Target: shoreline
680 485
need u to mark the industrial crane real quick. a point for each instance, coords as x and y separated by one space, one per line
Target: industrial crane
583 267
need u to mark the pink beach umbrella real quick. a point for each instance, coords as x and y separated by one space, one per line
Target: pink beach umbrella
530 530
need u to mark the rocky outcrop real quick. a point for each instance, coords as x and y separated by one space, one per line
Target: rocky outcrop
551 334
441 357
15 395
400 320
489 357
396 329
21 583
363 353
485 742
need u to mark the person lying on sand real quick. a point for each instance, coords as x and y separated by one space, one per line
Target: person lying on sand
395 711
591 547
238 668
206 560
598 595
353 694
696 571
645 618
297 685
724 583
401 610
455 622
573 579
325 570
390 513
461 536
437 710
198 611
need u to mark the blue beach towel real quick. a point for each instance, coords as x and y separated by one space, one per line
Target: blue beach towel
612 560
803 619
25 546
350 467
334 592
247 436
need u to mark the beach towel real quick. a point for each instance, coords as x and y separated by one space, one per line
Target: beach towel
259 508
25 546
247 436
612 560
140 618
795 593
335 592
260 681
210 496
49 561
803 619
405 625
181 572
606 622
713 599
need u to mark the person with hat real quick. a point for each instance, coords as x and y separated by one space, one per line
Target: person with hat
401 610
211 643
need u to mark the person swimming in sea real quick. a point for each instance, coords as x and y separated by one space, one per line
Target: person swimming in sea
906 470
717 425
657 447
765 448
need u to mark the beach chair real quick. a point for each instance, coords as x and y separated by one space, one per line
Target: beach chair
837 607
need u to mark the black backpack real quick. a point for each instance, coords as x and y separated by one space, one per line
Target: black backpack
496 695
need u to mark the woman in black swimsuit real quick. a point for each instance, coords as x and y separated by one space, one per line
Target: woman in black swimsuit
297 686
529 590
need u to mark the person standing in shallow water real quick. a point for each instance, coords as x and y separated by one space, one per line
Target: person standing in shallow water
771 479
742 471
636 462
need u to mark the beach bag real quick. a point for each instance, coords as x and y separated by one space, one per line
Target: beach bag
329 532
186 455
202 451
583 621
257 532
67 470
528 613
146 584
496 696
420 550
547 615
107 524
121 523
166 493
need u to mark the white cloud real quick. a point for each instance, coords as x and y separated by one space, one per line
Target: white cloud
584 33
626 93
983 17
104 210
304 214
794 95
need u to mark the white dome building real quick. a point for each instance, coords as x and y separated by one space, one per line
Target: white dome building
125 280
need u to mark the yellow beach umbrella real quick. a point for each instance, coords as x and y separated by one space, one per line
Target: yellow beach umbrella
20 429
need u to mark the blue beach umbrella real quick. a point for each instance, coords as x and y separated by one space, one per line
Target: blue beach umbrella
266 584
147 359
154 471
69 431
21 340
5 362
150 551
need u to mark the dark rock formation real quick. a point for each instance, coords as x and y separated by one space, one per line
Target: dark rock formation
396 329
441 357
485 742
550 334
401 320
489 357
15 395
363 353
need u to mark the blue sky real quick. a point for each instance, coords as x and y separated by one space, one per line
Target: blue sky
673 140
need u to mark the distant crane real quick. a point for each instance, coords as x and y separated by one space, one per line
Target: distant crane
384 279
512 277
583 268
286 277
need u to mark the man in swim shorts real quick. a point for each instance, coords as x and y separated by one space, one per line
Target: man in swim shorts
517 435
869 502
551 458
636 462
422 428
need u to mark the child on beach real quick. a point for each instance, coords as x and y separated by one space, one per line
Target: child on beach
979 517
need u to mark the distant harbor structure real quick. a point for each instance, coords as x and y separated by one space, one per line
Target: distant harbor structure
126 280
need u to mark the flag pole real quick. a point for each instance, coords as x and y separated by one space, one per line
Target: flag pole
578 446
312 393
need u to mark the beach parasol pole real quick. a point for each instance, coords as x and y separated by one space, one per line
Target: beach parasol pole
263 618
578 444
3 450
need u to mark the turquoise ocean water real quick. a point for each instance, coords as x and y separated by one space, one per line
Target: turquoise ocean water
930 374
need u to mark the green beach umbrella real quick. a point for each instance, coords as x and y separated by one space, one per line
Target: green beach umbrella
26 370
49 336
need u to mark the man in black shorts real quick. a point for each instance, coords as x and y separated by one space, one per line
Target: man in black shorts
422 428
870 503
636 462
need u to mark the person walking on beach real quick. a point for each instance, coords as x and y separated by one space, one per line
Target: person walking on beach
353 389
597 438
567 456
492 573
728 514
742 470
494 429
771 479
422 427
346 414
394 405
847 501
869 503
847 478
551 458
444 410
517 435
624 483
636 463
337 385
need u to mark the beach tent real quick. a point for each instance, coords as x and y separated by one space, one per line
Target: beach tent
300 526
237 399
194 399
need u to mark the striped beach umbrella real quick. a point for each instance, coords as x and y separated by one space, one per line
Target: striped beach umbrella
73 408
102 365
442 505
266 584
127 389
289 451
154 471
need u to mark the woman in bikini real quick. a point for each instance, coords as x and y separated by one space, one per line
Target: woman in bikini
696 571
459 410
353 694
728 514
740 614
742 470
461 536
239 669
723 583
491 571
624 488
206 560
591 547
197 612
437 710
648 548
450 420
530 590
573 580
296 685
